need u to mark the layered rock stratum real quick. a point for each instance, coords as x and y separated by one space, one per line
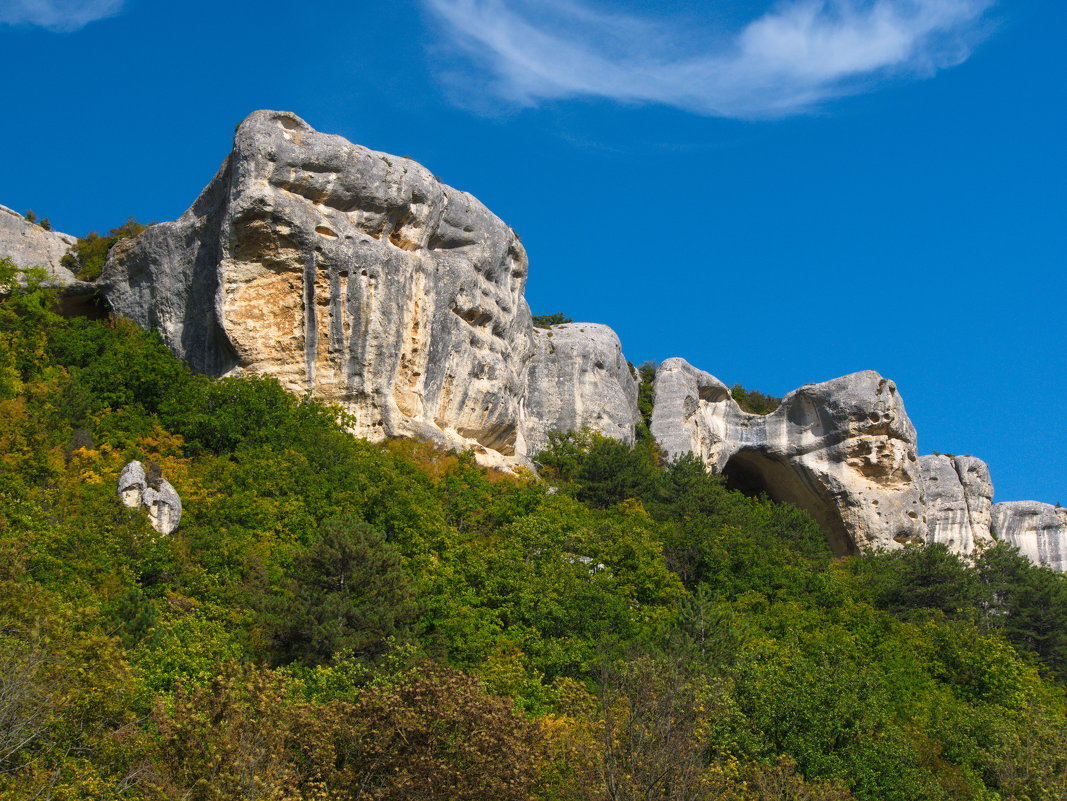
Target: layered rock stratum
360 278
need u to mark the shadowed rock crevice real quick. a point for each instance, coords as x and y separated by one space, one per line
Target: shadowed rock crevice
755 473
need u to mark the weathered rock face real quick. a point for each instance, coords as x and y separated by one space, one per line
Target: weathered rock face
159 499
843 450
1038 530
959 501
578 377
360 278
348 273
30 245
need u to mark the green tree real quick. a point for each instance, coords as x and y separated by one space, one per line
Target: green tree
1028 603
347 593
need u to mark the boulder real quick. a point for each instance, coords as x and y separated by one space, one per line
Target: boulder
959 501
159 499
578 378
132 484
843 450
164 507
1038 530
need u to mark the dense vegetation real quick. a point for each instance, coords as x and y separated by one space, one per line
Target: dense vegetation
341 620
753 401
86 258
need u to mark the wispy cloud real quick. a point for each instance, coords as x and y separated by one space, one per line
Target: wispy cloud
57 15
797 55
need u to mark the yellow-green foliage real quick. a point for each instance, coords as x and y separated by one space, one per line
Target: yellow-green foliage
336 619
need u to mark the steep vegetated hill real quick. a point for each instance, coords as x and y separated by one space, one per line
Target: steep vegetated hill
340 619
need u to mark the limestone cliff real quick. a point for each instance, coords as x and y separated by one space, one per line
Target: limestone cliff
579 378
359 277
843 450
959 501
29 245
1038 530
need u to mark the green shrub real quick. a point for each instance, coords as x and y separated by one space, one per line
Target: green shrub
549 320
87 257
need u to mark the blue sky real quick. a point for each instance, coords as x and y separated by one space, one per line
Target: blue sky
778 192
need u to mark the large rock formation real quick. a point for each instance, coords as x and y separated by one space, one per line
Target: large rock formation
1038 530
959 501
360 278
29 245
843 450
579 378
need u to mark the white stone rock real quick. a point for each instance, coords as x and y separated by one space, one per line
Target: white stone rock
578 378
958 501
843 450
1038 530
29 245
164 507
359 277
132 484
162 503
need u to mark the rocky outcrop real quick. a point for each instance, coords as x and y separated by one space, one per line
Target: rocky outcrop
959 501
29 245
578 378
159 499
347 273
362 279
844 450
1038 530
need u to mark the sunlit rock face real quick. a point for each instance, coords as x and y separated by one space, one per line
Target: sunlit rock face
959 501
843 450
29 245
1038 530
360 278
578 378
354 275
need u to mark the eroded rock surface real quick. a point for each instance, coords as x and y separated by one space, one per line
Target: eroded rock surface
30 245
579 378
959 501
348 273
1038 530
159 499
844 450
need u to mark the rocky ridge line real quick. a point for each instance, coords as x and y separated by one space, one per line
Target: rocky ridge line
360 277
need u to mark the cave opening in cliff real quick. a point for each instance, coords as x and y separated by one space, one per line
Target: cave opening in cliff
755 473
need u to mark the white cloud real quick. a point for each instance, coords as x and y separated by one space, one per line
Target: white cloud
57 15
795 56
